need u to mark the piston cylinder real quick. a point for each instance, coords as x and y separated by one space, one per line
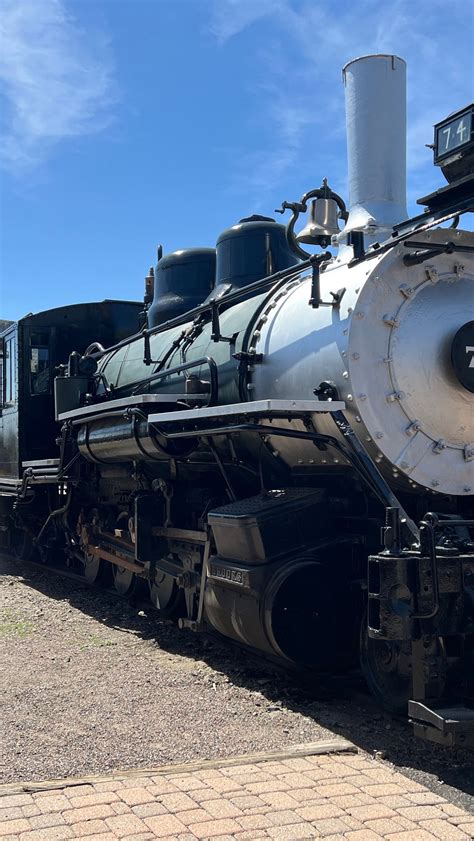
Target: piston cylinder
281 608
269 587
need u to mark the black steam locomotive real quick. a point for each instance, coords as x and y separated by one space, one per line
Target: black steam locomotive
278 445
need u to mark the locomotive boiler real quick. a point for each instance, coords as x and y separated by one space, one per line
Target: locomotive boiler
240 455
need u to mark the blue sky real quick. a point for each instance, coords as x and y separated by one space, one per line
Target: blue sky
126 123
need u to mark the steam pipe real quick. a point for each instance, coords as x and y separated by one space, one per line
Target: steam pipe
232 298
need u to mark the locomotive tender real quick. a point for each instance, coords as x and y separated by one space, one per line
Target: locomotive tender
240 455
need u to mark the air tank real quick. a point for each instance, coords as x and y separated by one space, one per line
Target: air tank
183 279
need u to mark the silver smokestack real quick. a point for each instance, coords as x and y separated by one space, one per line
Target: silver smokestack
376 142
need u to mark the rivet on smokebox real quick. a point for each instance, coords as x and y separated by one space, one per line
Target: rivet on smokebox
413 428
468 452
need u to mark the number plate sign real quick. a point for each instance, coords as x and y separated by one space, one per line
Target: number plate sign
455 133
231 574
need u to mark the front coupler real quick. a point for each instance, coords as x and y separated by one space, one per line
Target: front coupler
425 595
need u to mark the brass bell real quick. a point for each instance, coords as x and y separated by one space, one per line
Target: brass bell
322 224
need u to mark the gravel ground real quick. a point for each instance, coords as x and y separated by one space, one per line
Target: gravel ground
91 685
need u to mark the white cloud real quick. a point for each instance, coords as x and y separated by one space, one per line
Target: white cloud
57 80
231 17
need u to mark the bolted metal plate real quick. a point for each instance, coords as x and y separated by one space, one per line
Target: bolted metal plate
387 348
418 411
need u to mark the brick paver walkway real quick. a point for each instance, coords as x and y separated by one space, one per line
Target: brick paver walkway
333 796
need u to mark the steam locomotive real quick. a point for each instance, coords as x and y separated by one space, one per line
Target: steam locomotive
283 449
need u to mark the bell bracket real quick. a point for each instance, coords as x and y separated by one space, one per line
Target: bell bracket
323 192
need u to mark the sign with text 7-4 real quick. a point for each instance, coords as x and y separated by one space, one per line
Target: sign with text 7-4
454 133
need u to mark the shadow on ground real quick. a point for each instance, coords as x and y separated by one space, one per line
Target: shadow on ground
340 703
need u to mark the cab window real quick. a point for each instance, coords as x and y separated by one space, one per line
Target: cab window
9 390
39 363
2 365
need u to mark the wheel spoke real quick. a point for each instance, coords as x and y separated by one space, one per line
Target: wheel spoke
124 580
22 544
164 594
93 568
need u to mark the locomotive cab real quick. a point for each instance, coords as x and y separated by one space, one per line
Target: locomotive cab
31 351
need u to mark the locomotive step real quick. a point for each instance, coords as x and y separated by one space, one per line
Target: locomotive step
447 722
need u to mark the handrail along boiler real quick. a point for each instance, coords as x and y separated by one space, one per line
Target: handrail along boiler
240 454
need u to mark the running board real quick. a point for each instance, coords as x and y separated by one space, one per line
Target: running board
449 723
